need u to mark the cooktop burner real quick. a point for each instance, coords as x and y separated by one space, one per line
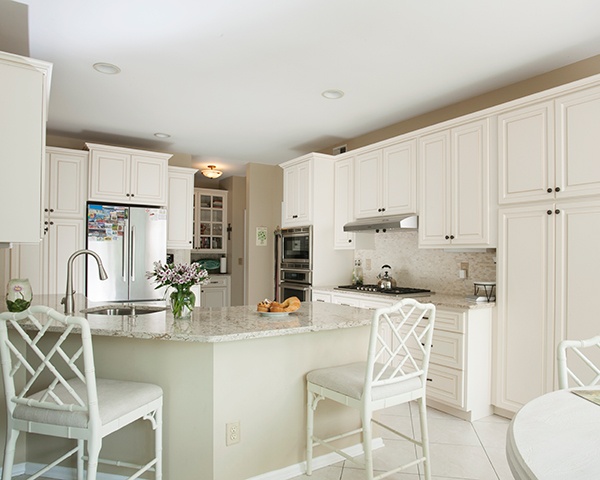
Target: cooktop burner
414 292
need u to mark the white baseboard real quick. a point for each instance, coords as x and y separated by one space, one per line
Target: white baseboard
318 462
57 473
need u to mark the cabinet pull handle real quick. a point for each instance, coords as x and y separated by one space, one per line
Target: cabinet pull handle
294 216
557 189
549 212
430 379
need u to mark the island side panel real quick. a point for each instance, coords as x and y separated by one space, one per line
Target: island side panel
261 383
185 372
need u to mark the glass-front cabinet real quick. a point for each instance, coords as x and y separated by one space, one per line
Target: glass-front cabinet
210 220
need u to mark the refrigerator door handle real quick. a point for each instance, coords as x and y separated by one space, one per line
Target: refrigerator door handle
132 250
124 250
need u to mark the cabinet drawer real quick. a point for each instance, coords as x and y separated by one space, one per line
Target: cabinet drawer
450 321
321 297
217 281
447 349
446 385
343 300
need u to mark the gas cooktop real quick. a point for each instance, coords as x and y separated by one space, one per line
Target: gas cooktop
406 291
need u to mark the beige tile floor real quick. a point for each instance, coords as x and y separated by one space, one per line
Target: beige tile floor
460 450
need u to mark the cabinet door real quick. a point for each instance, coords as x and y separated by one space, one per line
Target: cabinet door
22 136
524 359
470 184
434 173
214 297
578 143
27 260
526 154
109 176
65 236
399 178
367 186
343 203
290 195
321 296
578 282
67 184
149 178
304 193
180 209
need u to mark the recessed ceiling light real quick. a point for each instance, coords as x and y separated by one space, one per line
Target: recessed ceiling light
161 135
106 68
333 94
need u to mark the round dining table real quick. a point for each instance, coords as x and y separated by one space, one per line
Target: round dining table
555 437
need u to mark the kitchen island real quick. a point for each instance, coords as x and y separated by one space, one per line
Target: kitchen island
223 365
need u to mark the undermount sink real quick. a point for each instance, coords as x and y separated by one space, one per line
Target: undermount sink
123 310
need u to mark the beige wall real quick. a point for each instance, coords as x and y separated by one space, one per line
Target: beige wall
554 78
236 214
264 192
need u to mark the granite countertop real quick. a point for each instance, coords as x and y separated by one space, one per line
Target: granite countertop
438 299
212 325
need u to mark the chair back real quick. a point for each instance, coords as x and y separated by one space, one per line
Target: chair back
399 344
584 372
47 362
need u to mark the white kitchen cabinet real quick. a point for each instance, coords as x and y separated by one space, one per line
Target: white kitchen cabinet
455 194
386 180
343 188
216 293
460 368
530 168
210 220
548 281
126 175
180 208
297 194
45 263
24 99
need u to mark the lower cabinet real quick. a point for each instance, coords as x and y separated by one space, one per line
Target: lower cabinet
460 367
216 293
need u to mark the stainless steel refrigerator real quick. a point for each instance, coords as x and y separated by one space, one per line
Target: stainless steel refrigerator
129 240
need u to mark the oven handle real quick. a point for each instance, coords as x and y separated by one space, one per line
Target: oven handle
297 286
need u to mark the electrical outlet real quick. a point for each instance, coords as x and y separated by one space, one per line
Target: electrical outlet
232 433
463 271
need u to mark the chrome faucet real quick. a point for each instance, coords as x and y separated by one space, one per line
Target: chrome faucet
69 299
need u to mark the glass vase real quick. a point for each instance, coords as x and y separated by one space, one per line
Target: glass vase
18 295
183 301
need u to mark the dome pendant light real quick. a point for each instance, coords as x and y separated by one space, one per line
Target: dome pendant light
211 172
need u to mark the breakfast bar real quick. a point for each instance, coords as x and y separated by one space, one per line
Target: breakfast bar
221 366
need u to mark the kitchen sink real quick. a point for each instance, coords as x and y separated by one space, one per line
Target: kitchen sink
123 310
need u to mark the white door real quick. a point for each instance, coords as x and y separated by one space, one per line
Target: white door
67 183
578 143
524 360
435 194
343 203
109 176
65 236
399 178
180 209
149 181
367 184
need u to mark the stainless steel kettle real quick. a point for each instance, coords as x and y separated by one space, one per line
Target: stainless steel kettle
386 282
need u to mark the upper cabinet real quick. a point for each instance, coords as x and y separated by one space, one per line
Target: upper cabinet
300 192
210 220
23 98
297 194
343 202
454 172
180 208
530 169
386 181
125 175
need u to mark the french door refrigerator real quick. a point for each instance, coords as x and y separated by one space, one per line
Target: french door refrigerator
129 240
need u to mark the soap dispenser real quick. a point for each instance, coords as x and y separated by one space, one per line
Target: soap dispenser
357 274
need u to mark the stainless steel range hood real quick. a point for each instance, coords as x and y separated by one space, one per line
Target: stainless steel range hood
405 222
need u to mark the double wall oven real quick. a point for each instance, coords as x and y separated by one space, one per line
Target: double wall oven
293 260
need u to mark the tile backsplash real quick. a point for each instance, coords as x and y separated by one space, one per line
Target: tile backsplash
435 269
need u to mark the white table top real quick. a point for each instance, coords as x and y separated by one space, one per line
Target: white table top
555 437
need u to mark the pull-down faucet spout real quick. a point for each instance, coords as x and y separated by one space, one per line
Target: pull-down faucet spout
69 300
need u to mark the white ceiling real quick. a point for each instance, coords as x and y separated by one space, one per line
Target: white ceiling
237 81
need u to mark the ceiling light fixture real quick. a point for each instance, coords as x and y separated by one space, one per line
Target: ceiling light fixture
106 68
211 172
333 94
161 135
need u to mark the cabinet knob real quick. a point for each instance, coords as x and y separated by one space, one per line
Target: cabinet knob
51 210
294 216
447 237
349 240
557 211
383 209
126 194
132 195
451 237
549 212
549 190
557 189
45 209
